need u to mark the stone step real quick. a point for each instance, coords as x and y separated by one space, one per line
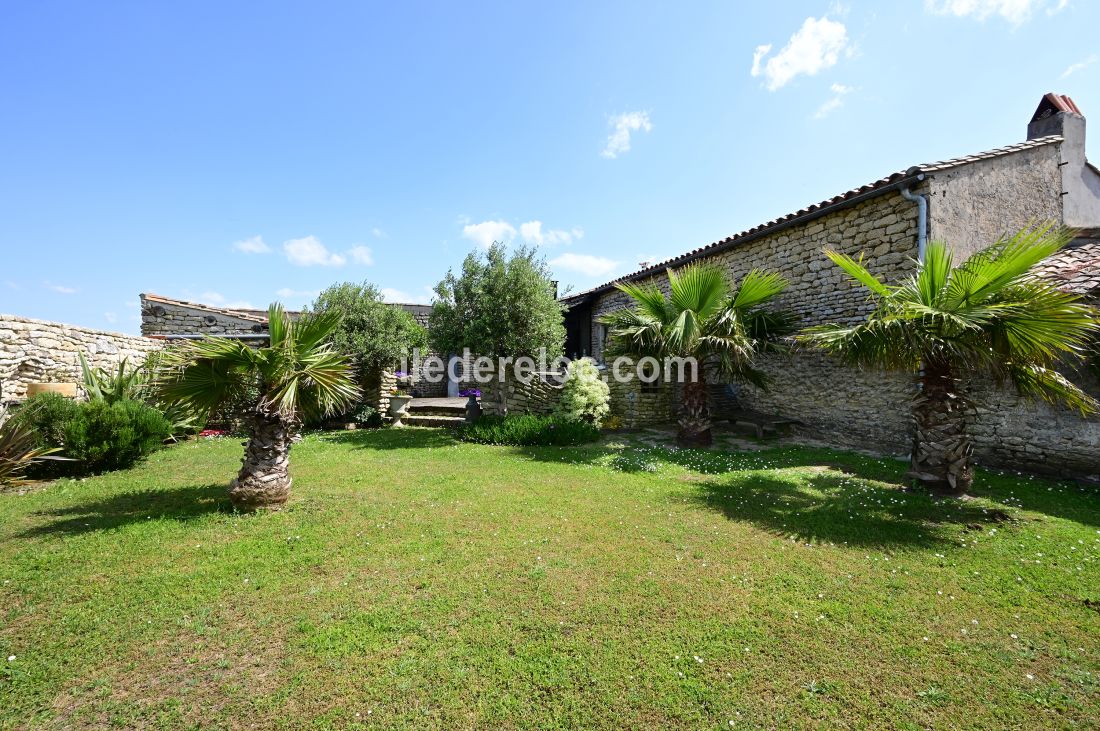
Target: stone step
434 410
449 422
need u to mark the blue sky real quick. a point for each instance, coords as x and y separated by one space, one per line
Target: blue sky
239 154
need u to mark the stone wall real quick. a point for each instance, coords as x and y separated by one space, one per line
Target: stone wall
971 206
512 396
37 351
164 317
837 403
637 404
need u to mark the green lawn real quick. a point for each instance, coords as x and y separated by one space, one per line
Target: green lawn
415 582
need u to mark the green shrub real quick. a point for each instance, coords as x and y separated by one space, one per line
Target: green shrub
114 436
97 436
529 430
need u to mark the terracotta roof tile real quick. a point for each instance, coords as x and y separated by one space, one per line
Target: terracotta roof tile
1076 268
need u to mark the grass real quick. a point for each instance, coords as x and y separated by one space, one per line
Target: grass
418 582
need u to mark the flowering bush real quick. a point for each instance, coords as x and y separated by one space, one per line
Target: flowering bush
584 395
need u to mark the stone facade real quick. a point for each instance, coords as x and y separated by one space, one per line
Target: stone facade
971 203
36 351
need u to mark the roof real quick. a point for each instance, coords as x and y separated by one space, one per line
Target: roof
251 315
803 215
1076 268
243 314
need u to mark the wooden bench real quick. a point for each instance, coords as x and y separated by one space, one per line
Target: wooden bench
760 421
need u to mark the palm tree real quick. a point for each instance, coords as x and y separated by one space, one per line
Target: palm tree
704 317
297 375
988 316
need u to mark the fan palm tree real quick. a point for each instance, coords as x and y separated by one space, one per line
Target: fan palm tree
987 316
706 318
297 375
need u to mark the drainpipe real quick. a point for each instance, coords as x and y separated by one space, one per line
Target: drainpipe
922 216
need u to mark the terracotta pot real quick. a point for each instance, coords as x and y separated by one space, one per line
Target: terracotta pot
68 390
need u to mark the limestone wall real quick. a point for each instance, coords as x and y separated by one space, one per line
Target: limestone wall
844 406
512 396
37 351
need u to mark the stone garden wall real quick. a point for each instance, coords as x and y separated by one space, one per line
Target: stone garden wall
512 396
37 351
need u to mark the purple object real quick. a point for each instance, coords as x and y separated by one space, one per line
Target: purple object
470 392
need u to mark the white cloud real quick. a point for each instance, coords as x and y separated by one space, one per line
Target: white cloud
532 233
1015 12
59 288
584 264
253 245
287 293
834 102
361 255
486 232
110 317
1080 65
623 125
814 47
217 299
309 251
378 233
390 294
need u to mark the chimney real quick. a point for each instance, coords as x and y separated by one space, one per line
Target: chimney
1058 115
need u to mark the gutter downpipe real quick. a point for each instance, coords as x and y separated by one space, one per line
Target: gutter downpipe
922 243
922 216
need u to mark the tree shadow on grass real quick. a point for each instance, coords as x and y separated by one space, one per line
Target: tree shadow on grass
834 495
841 508
122 509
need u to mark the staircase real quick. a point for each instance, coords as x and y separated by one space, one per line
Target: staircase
443 412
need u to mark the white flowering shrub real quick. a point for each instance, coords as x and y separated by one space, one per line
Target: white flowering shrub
584 395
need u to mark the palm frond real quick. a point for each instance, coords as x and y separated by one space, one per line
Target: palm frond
855 269
698 288
1051 386
758 288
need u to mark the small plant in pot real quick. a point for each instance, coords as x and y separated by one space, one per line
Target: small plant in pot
399 399
473 408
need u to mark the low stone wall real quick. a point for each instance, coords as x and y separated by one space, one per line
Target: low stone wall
511 396
37 351
638 404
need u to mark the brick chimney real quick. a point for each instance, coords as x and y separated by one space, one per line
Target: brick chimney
1058 115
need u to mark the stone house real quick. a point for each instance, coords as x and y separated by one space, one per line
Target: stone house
170 319
968 202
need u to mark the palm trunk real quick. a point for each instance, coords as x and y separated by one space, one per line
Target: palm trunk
263 482
695 415
941 445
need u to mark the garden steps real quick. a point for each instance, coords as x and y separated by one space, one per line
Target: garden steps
444 412
449 422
